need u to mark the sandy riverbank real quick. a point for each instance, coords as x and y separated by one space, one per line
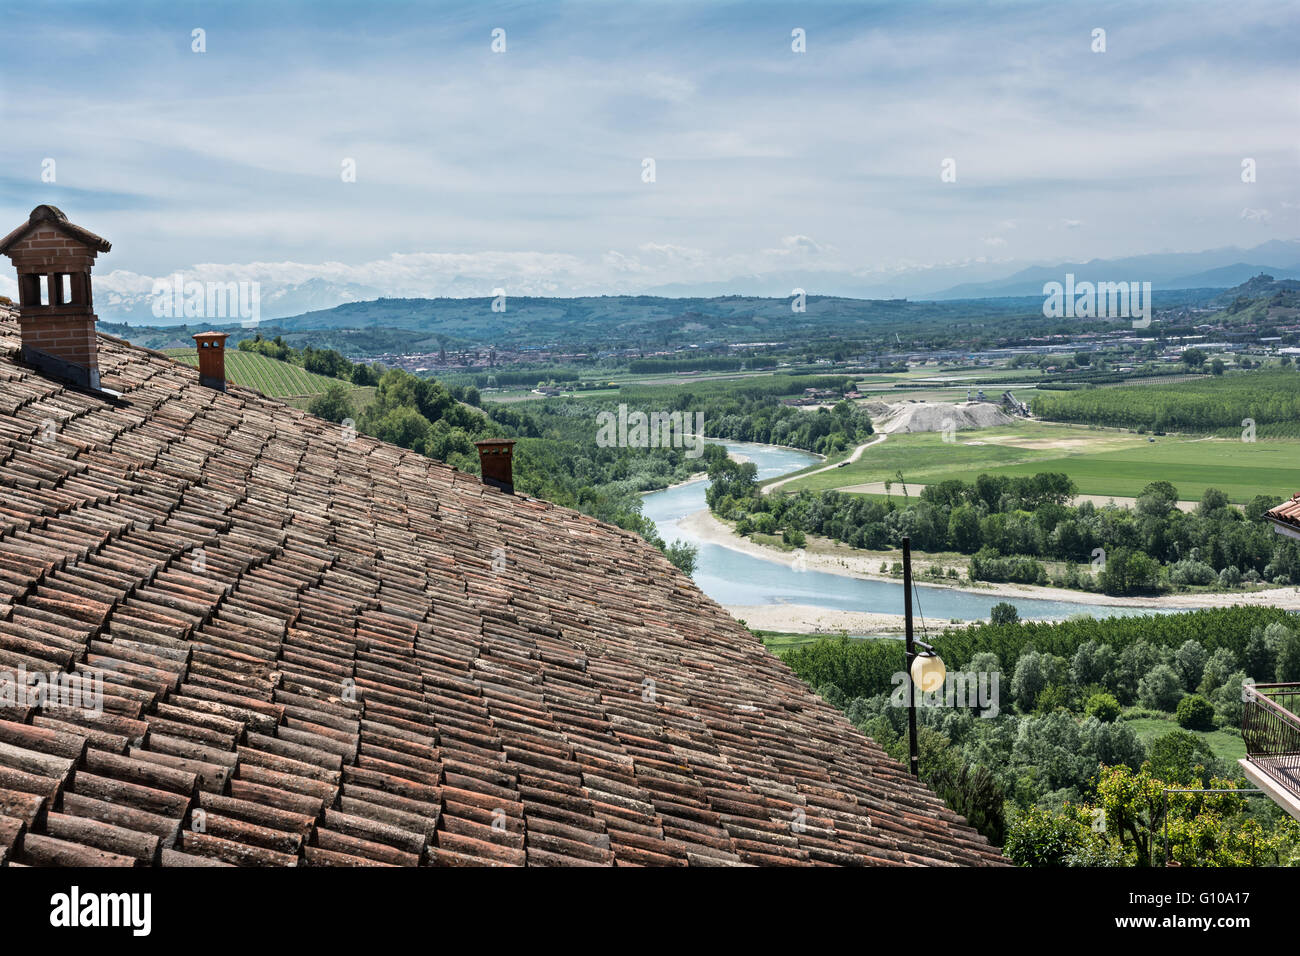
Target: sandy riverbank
843 561
809 619
698 476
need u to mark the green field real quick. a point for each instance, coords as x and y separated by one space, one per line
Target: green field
272 378
1238 469
1102 462
925 456
778 643
1227 746
1269 397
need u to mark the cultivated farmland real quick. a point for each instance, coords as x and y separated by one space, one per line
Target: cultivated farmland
272 378
1101 462
1269 398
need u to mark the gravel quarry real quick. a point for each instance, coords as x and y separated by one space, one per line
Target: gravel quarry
909 417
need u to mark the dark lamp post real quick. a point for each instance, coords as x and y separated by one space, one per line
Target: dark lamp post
924 668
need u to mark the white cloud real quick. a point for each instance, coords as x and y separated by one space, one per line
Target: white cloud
801 246
672 89
536 153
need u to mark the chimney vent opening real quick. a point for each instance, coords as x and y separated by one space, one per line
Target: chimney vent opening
495 458
56 316
212 359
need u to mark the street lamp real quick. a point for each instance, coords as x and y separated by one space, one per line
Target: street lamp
928 672
925 669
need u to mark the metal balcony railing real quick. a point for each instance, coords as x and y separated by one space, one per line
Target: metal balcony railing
1270 727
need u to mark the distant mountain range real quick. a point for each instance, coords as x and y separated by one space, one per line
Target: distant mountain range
1212 269
389 326
134 306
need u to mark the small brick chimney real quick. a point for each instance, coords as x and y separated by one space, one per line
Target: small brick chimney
494 458
55 308
212 359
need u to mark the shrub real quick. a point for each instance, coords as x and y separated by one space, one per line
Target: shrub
1160 688
1093 663
1040 838
1052 698
1004 613
1102 706
1185 759
988 565
1033 673
682 555
333 404
1288 658
1227 701
832 694
1189 662
1190 571
1195 713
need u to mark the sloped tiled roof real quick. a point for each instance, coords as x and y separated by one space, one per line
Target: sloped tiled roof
321 651
1287 513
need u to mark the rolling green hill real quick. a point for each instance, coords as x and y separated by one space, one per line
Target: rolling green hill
270 377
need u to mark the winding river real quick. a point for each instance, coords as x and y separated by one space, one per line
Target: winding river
733 577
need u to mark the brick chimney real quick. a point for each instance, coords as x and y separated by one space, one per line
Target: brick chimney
55 308
494 458
212 359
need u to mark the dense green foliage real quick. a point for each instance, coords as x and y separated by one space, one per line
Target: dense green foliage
751 410
1267 397
1057 744
1194 712
1011 524
333 404
530 377
704 363
1129 818
864 668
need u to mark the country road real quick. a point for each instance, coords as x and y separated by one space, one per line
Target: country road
854 456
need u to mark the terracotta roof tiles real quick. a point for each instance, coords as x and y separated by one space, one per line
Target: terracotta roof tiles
1286 514
310 658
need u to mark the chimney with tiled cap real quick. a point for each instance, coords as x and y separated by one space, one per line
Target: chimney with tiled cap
494 458
55 308
212 359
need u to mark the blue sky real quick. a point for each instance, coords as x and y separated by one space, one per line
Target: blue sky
523 169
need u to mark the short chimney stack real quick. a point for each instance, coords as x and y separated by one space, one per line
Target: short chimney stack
212 359
494 458
55 307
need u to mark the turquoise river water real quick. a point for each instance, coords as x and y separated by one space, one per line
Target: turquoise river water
733 577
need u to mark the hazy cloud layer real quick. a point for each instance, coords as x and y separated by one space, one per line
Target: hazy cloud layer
524 169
